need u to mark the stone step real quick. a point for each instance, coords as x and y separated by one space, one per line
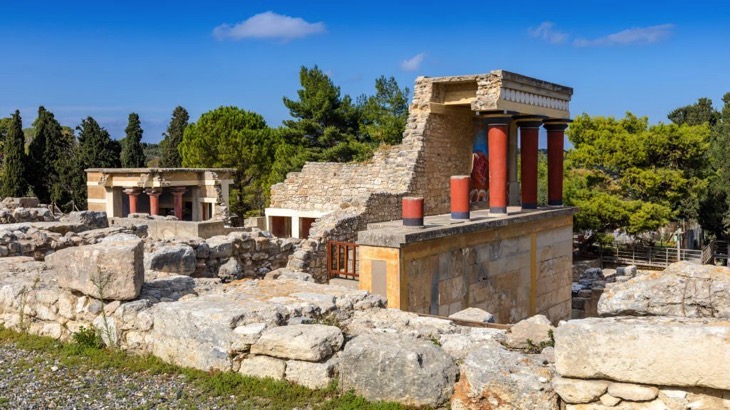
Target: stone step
346 283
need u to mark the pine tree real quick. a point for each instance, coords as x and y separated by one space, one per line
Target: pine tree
173 137
132 151
13 178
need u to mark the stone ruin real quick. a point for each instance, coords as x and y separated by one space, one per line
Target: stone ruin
228 303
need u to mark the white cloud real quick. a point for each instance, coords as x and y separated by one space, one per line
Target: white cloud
413 63
269 25
546 31
638 35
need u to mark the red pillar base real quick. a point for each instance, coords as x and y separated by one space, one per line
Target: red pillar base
460 208
413 211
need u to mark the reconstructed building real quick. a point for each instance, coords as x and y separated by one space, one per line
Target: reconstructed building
190 194
511 257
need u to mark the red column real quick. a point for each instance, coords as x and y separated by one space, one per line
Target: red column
556 137
498 141
178 192
154 195
528 162
460 197
133 193
413 211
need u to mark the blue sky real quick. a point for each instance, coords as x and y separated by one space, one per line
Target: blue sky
109 58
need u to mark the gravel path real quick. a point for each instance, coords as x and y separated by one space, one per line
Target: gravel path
34 380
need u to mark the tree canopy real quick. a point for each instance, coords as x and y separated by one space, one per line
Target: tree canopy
236 138
627 174
384 114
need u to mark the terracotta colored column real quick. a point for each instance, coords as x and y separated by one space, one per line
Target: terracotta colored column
556 138
154 195
498 140
460 198
413 211
528 162
178 192
132 193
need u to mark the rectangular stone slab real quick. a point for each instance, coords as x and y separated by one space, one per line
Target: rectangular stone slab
118 264
650 350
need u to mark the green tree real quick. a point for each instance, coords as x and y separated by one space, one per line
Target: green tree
324 122
715 207
96 149
132 151
629 175
152 154
236 138
40 170
61 156
384 114
13 178
699 113
170 154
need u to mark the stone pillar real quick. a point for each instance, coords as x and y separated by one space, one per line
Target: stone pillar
154 194
529 130
132 193
178 192
498 140
556 137
460 207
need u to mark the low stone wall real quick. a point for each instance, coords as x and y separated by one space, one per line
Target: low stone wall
229 257
643 363
170 229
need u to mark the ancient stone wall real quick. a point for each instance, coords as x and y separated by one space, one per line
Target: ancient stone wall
510 277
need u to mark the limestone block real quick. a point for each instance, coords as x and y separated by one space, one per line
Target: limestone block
312 343
535 329
263 366
705 292
578 390
117 267
609 401
656 351
389 366
220 247
632 392
312 375
474 315
494 377
178 259
647 405
230 270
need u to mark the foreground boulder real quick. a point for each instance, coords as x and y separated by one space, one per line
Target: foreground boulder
90 219
312 343
401 368
655 351
532 333
495 378
112 270
684 289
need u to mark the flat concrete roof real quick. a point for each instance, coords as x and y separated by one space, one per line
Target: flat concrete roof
394 235
148 170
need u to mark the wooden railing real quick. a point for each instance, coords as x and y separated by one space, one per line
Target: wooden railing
342 260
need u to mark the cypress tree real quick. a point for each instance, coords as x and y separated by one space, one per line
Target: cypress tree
41 155
95 149
173 137
132 151
14 182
